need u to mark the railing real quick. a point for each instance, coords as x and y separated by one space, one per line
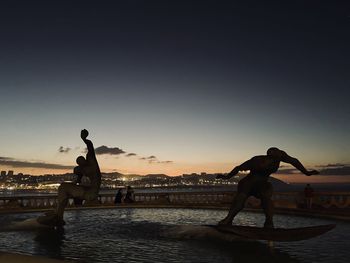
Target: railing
321 200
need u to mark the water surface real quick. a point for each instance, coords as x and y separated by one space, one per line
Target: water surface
143 235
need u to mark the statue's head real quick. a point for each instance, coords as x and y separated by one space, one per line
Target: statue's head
274 151
81 161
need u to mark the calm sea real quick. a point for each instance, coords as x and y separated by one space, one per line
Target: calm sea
169 235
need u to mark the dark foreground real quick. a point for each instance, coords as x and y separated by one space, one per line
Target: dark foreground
158 235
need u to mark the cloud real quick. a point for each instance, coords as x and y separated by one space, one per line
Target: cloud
26 164
153 159
328 169
63 149
150 159
333 165
130 154
344 170
287 171
108 150
165 162
283 166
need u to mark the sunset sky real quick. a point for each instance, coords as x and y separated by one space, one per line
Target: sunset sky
174 86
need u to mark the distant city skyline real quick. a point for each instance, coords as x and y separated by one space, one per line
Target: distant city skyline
329 174
175 87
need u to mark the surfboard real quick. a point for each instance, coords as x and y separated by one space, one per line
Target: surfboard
25 225
47 221
274 234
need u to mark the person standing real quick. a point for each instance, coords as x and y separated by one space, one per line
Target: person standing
309 194
129 197
118 197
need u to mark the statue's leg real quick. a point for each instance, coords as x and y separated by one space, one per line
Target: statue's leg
66 191
243 191
91 196
236 206
267 204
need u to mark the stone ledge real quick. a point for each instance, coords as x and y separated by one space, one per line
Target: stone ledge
20 258
338 215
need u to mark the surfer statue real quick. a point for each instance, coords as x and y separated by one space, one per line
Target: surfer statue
256 182
86 167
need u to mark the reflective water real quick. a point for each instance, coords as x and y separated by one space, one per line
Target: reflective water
143 235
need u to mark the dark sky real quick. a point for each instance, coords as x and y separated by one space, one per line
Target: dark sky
225 76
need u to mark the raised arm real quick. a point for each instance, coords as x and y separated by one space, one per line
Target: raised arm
295 162
90 147
243 167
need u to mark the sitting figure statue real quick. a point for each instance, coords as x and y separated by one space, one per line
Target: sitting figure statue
86 167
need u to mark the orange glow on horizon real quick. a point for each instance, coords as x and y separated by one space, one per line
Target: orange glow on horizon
300 178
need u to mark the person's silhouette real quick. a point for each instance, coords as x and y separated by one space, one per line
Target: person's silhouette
256 182
86 167
129 197
118 197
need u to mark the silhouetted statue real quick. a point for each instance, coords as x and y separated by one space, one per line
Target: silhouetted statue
256 182
86 167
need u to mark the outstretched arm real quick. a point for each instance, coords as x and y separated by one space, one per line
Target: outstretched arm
295 162
243 167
